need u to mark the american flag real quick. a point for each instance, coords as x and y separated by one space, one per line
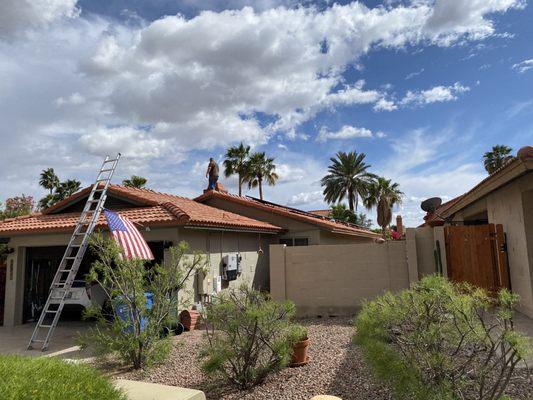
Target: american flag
128 236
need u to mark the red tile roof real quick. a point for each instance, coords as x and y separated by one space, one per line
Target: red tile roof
312 219
155 209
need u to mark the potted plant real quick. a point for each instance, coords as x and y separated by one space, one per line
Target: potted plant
299 347
189 319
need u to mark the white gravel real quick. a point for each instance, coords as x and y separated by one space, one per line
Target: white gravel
336 368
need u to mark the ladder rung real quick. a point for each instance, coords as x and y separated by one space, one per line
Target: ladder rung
70 258
112 160
65 270
52 311
45 326
106 170
102 180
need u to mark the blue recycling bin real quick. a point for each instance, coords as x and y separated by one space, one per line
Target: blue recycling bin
123 312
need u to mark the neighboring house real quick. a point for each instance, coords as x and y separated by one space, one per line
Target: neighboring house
505 197
38 241
301 228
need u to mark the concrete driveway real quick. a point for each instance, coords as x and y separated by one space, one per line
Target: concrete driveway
13 340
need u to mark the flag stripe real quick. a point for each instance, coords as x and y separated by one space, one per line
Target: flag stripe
128 237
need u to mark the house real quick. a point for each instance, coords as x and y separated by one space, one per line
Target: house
505 197
216 223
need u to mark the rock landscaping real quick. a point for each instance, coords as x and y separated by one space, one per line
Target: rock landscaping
336 368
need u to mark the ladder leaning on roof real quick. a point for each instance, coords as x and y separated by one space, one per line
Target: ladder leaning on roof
70 263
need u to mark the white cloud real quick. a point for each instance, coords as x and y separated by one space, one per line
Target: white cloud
130 142
413 74
68 82
523 66
19 16
306 198
451 20
437 94
73 99
346 132
385 105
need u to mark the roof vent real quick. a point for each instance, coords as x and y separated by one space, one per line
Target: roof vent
430 205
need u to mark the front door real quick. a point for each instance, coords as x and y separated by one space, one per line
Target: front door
477 254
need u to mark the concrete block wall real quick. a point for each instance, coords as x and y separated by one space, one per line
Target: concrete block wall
336 279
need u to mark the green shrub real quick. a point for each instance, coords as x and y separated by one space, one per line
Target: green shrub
138 339
52 379
440 340
249 336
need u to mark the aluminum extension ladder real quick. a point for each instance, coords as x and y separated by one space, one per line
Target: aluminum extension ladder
70 263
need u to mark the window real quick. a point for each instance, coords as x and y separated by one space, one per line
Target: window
295 241
301 241
287 242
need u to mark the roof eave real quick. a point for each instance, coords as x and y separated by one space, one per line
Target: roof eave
515 169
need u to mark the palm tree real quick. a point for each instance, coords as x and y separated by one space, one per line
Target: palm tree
49 180
66 189
383 195
497 157
135 181
235 163
348 177
259 169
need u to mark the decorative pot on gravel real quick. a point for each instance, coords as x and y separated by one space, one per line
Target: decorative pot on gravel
299 349
189 318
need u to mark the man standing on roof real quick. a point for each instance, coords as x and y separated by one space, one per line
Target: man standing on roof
212 174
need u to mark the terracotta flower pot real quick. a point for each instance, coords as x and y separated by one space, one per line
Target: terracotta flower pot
299 353
189 318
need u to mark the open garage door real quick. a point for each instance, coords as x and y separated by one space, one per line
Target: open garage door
477 254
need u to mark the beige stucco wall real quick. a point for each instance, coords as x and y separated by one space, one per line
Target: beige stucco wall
510 206
215 244
335 279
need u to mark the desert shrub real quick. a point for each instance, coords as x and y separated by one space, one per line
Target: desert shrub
249 336
52 379
136 337
440 340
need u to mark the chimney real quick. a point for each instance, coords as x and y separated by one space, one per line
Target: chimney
399 225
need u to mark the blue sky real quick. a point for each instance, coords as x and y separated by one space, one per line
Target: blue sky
422 87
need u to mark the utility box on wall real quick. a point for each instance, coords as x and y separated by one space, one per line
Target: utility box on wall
231 266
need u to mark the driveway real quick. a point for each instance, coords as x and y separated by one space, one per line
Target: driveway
13 340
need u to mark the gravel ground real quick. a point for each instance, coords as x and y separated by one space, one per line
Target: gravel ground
336 367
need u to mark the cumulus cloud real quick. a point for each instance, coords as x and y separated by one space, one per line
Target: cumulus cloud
189 84
523 66
346 132
19 16
306 198
451 20
437 94
130 142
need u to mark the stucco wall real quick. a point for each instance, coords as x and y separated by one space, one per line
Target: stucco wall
215 244
335 279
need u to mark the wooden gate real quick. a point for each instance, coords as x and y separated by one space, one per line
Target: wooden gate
477 254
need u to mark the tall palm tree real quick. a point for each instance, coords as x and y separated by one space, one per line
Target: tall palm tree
235 163
348 177
259 169
384 195
497 157
135 181
49 180
66 189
